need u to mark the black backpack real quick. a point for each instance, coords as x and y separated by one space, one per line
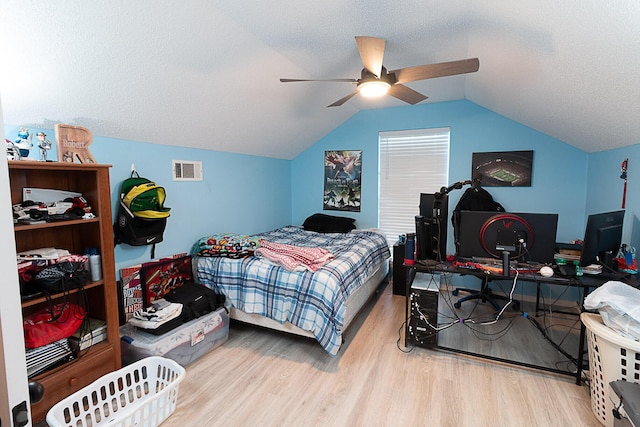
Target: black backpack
196 299
142 217
473 199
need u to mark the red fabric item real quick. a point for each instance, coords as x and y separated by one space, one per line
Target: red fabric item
44 327
291 257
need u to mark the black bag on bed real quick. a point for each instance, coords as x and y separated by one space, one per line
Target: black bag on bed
197 300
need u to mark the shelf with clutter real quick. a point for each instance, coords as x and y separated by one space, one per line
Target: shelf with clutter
65 227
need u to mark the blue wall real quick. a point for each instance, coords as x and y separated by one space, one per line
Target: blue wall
605 188
565 180
559 181
239 193
247 194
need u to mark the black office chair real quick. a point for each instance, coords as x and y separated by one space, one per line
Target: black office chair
484 294
477 198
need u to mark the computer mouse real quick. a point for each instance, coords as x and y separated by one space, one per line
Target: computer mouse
546 271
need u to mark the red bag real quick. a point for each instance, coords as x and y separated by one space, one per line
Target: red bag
52 324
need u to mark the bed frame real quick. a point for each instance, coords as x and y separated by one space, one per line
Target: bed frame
354 304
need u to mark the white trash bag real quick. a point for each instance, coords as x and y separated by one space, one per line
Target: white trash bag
619 306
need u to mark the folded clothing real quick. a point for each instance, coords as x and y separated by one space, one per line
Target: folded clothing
160 312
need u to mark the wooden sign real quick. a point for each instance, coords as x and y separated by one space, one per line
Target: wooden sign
73 144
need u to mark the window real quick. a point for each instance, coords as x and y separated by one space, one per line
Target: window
411 162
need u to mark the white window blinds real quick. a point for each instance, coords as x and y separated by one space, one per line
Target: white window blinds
411 162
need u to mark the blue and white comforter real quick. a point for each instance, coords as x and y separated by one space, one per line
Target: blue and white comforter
312 301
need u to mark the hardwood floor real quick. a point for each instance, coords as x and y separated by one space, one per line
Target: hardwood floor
264 378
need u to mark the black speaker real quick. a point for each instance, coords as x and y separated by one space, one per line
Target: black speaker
399 271
424 244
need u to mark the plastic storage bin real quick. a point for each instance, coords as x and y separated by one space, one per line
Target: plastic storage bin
142 394
184 344
611 357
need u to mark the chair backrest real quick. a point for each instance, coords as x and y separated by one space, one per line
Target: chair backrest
475 198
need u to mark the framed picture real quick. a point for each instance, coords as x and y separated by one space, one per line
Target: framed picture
503 169
342 180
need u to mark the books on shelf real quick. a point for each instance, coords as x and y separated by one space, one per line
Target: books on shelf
86 336
41 358
131 293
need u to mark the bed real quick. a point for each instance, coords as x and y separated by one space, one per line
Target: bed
319 304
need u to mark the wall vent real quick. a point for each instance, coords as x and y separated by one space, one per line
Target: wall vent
187 170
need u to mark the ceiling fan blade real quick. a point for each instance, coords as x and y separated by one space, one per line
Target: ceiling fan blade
406 94
342 100
430 71
371 52
320 80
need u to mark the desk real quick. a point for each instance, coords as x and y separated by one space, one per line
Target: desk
585 283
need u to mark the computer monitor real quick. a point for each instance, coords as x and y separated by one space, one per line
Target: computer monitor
431 226
428 201
528 237
602 237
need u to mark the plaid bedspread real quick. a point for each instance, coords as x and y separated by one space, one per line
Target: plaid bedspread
313 301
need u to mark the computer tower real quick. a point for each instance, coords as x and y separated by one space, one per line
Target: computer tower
423 310
431 227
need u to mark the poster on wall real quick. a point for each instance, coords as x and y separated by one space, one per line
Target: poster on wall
503 169
342 180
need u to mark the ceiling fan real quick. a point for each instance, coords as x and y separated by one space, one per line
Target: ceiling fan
375 80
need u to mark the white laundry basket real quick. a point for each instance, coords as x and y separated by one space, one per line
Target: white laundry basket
611 357
142 394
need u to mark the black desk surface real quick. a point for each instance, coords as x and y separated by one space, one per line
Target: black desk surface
527 273
585 282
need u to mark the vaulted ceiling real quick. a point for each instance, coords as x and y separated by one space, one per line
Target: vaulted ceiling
205 74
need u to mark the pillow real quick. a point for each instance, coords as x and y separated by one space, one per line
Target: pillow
322 223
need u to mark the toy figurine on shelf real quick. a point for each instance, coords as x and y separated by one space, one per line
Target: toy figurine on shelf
12 151
23 142
44 144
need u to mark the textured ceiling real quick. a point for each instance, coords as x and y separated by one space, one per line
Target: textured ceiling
205 73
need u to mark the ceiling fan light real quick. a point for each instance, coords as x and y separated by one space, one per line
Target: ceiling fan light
373 88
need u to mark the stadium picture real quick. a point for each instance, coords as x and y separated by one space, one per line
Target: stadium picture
503 169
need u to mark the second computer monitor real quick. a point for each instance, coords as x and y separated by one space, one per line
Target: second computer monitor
602 237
